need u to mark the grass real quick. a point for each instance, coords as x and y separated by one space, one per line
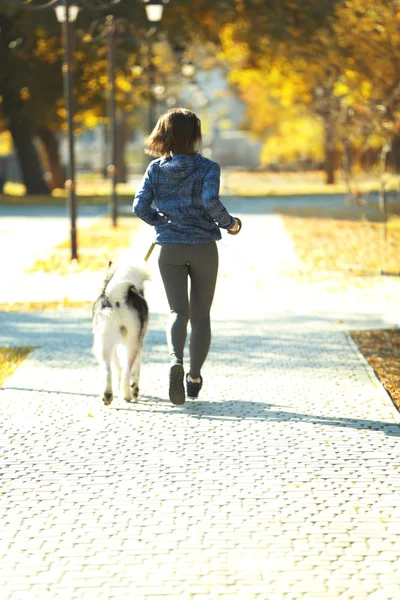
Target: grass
267 183
94 189
10 359
97 244
60 199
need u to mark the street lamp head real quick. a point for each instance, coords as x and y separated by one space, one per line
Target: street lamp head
61 12
154 10
188 70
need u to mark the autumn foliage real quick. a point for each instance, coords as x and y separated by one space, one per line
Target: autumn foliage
320 79
322 87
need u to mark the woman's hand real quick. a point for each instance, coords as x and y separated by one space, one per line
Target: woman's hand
235 227
234 230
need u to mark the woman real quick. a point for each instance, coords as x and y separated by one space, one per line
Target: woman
184 187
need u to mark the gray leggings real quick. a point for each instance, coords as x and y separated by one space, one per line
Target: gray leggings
200 263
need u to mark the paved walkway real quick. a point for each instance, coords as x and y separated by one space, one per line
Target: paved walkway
282 482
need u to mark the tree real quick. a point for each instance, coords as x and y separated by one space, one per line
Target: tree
31 84
286 90
12 105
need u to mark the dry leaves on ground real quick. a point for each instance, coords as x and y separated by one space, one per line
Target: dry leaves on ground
260 182
97 244
382 350
344 245
65 304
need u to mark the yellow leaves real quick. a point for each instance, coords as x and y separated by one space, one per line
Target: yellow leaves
355 61
91 120
10 359
234 51
352 92
350 74
341 89
62 112
24 93
64 304
48 49
5 142
97 244
296 138
122 82
80 56
365 90
245 78
355 246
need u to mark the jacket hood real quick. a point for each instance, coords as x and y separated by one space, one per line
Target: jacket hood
181 166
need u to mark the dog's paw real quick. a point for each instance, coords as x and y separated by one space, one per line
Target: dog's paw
130 399
107 398
135 390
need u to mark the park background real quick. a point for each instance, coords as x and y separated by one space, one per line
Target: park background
294 101
278 87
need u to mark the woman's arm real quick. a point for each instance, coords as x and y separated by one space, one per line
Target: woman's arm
143 200
211 201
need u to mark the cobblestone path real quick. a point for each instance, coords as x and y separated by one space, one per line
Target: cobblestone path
281 482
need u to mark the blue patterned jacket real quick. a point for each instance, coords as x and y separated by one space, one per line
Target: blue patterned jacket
185 191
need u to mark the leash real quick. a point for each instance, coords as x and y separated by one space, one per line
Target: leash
153 245
150 250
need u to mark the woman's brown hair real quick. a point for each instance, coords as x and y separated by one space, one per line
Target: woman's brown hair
177 131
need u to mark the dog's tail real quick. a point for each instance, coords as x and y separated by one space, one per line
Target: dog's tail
124 277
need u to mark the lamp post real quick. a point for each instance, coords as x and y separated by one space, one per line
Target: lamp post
108 33
66 15
112 167
154 11
66 12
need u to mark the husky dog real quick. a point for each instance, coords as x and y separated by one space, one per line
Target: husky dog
120 318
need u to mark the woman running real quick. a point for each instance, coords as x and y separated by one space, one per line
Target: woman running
184 187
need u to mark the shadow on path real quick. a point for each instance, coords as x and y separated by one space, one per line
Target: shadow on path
42 391
229 410
243 410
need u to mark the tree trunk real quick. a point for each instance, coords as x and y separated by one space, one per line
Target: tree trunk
382 170
120 149
329 145
31 169
383 201
51 146
17 121
347 165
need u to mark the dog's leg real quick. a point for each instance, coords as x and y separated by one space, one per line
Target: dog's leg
126 373
117 368
108 393
136 372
